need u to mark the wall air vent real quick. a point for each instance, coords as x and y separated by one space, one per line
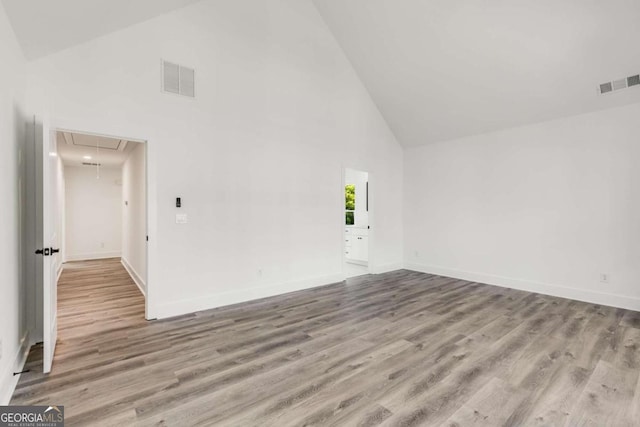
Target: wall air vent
606 87
178 79
619 84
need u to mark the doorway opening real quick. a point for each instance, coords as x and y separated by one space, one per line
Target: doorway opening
356 223
86 238
103 204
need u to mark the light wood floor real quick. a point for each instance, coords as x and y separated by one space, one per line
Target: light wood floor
396 349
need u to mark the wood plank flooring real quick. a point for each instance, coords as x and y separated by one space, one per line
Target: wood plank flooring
396 349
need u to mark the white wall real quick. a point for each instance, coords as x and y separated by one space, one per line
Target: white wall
359 179
134 220
546 207
13 319
93 213
257 157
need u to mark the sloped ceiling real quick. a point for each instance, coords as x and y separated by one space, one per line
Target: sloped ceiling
443 69
437 69
47 26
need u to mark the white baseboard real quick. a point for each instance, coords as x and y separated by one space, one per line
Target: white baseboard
95 255
386 268
8 381
59 273
135 276
241 295
593 297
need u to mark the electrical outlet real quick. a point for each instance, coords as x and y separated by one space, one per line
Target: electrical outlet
102 245
604 277
416 254
260 273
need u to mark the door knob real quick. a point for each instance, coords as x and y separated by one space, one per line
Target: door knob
54 251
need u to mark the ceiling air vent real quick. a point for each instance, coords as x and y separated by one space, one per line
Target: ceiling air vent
178 79
90 164
619 84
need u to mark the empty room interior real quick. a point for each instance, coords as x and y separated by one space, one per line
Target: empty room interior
320 212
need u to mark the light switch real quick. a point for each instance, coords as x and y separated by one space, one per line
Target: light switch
181 219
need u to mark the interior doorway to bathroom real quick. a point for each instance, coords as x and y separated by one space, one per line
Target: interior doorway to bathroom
356 222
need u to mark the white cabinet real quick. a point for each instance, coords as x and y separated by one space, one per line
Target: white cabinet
357 245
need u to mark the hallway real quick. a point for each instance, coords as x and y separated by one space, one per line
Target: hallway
95 298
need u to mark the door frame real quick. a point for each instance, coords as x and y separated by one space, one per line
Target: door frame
371 232
150 207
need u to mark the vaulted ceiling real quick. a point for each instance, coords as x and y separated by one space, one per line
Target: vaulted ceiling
437 69
442 69
47 26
